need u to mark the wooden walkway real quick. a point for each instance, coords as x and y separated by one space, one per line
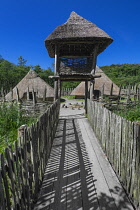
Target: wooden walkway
78 175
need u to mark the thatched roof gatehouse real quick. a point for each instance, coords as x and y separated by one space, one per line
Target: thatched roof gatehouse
76 44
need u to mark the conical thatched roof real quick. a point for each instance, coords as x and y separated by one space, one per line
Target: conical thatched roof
99 83
77 29
31 82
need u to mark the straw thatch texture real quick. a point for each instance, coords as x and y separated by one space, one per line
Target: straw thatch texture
99 83
31 82
77 30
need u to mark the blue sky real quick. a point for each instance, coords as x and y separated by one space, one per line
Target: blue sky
24 25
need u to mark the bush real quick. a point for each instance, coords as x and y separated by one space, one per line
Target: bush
11 119
132 114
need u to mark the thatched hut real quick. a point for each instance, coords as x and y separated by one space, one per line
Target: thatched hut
29 85
102 85
76 45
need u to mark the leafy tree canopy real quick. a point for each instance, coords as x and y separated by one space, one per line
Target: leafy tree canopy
11 74
21 61
123 74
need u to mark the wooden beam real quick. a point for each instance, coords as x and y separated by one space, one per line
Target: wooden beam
94 59
17 94
55 90
34 97
77 41
91 89
57 60
74 77
68 56
86 95
59 89
44 94
28 93
111 89
54 77
56 71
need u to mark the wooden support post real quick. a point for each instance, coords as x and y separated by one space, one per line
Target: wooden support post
139 94
86 95
91 89
44 94
128 94
94 59
28 94
59 88
34 97
11 94
55 90
102 92
93 71
120 91
111 90
17 94
56 71
2 92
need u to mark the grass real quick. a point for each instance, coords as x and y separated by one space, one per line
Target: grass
130 113
71 98
11 118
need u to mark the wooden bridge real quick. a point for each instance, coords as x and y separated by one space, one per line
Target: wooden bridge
58 162
78 174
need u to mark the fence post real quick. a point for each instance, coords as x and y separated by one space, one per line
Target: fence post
2 199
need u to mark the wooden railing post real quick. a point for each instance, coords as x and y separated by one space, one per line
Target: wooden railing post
21 173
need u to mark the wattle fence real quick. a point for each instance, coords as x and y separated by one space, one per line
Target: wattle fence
22 167
120 140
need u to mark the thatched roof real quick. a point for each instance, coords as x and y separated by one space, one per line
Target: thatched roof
77 29
31 82
99 83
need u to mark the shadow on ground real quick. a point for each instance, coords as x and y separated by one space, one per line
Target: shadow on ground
68 182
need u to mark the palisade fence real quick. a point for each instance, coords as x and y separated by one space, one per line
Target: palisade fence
22 167
120 140
66 91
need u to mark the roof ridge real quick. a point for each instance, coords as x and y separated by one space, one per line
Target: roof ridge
77 19
31 74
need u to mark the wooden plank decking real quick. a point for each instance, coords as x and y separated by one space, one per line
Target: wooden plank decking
78 175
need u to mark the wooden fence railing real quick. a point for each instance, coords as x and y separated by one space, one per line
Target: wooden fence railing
66 91
120 140
22 167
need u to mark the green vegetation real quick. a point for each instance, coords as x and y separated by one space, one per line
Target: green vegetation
69 97
11 118
123 74
126 108
11 74
70 84
130 113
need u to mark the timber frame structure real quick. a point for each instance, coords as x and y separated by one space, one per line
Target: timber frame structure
75 46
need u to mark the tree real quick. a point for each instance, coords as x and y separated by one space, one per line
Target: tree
123 74
37 69
1 59
21 61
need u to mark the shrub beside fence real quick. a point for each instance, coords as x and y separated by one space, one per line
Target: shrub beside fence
22 167
120 140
